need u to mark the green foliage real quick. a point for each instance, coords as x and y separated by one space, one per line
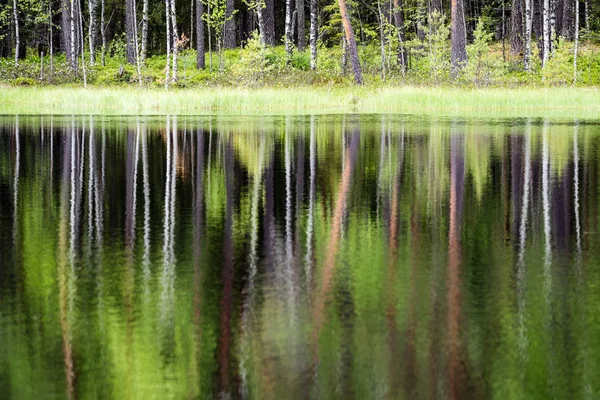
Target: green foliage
483 68
118 48
253 63
24 81
558 71
434 49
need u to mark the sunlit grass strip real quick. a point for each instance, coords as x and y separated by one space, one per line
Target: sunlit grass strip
563 102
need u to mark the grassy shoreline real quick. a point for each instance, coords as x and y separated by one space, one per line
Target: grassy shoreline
550 102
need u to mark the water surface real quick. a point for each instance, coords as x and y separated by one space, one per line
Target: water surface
299 257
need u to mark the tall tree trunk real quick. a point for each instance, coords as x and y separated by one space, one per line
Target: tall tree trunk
144 31
17 37
92 4
169 38
459 36
516 27
137 46
436 5
567 19
527 39
351 42
313 34
552 11
545 31
587 14
192 20
229 29
200 59
73 36
81 43
175 41
65 26
260 15
301 25
382 40
269 18
576 36
288 29
102 31
130 24
51 40
399 22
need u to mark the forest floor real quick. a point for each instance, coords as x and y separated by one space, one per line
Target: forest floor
522 102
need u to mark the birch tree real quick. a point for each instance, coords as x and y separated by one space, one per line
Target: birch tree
545 32
169 38
313 34
288 30
92 5
102 32
527 38
175 40
576 37
144 31
200 59
17 37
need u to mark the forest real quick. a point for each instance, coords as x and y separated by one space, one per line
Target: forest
290 43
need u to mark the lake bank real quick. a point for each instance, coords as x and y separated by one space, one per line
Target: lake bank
550 102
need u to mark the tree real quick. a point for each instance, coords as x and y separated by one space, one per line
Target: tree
288 31
301 23
313 34
351 42
576 37
229 34
399 22
144 31
458 36
528 21
130 26
516 27
92 5
102 31
269 20
545 32
200 59
216 19
17 37
169 39
258 6
175 37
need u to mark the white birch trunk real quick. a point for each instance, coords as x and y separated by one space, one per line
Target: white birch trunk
576 41
313 34
288 29
175 39
17 37
169 36
92 29
102 32
144 30
528 20
546 32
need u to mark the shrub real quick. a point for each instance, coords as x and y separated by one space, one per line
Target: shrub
559 67
483 68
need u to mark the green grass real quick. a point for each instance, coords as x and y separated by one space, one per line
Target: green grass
551 102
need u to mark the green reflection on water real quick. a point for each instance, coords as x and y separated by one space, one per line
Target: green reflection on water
281 257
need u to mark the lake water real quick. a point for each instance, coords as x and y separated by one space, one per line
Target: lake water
299 257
